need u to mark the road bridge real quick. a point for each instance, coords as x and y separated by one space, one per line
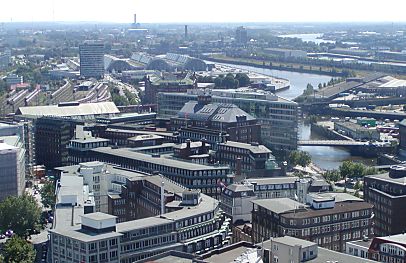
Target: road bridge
340 143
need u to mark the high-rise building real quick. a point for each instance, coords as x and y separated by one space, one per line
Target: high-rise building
12 170
241 35
91 59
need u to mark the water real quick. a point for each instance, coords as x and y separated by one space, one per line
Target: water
298 81
316 38
327 157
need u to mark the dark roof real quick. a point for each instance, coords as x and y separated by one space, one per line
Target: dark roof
219 112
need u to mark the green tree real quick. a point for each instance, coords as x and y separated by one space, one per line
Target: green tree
332 175
301 158
20 214
48 194
18 250
243 79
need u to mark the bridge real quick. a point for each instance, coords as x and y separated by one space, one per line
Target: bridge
340 143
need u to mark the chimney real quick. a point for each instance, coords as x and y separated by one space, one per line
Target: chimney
188 144
238 167
162 198
73 215
135 19
186 33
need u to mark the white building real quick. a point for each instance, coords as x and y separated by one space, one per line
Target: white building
12 170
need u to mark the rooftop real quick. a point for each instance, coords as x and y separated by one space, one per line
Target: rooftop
273 180
288 240
400 238
253 148
97 108
127 153
98 216
278 205
325 256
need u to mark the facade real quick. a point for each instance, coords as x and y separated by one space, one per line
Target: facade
79 148
241 35
207 178
52 136
388 249
236 202
165 216
387 193
358 248
91 60
197 118
252 159
278 117
12 170
329 219
179 82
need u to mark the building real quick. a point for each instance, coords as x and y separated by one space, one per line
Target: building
52 136
79 147
328 219
179 82
356 131
285 53
236 198
171 62
241 35
12 170
207 178
14 79
91 60
167 217
387 193
278 117
359 248
251 160
72 110
388 249
197 117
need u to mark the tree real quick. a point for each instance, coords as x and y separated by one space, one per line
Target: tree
243 79
21 214
48 194
301 158
332 175
18 250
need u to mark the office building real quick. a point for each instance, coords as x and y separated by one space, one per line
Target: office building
285 53
207 178
278 117
14 79
202 119
12 169
179 82
91 60
167 217
241 35
52 136
79 147
386 192
328 219
251 160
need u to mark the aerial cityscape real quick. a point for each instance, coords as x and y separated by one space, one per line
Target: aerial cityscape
165 133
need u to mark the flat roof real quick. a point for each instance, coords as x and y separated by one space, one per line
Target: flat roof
386 177
273 180
278 205
288 240
142 223
325 255
98 216
95 108
400 238
253 148
82 235
126 153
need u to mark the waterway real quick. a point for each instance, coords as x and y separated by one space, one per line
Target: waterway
298 81
324 157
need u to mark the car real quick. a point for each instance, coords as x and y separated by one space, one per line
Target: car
2 236
36 192
9 233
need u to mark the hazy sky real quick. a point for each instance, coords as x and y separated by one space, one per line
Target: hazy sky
180 11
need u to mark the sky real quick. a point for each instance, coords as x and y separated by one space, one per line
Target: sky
191 11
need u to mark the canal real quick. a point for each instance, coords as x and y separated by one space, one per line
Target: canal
324 157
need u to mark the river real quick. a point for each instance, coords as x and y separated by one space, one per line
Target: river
324 157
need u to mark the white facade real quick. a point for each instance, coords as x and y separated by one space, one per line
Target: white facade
12 171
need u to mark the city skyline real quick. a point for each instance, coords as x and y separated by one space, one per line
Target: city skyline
180 11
